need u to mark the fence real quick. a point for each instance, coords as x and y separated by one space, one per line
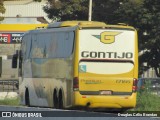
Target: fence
9 85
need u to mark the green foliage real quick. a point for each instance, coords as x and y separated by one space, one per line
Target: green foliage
78 9
2 9
146 101
67 10
150 23
142 14
104 10
10 102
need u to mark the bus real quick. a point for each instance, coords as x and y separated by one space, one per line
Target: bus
10 40
79 64
12 33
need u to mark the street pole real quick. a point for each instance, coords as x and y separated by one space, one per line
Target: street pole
90 11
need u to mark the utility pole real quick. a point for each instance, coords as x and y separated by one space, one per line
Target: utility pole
90 11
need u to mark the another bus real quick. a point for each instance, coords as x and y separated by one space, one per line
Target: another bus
10 40
79 63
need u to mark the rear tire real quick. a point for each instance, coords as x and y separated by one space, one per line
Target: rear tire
27 101
55 99
60 100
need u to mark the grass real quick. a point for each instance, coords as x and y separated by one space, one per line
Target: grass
10 102
147 101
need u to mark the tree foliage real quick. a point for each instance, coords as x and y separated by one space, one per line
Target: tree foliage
104 10
150 42
142 14
2 9
78 9
67 9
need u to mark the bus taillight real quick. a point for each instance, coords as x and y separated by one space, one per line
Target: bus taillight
75 83
134 87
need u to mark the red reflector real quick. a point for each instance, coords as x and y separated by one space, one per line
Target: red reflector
134 87
83 96
135 81
75 83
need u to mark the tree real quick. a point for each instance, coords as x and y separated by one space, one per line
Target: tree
150 42
67 9
2 9
104 10
142 14
78 9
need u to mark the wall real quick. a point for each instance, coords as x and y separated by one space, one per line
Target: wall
6 52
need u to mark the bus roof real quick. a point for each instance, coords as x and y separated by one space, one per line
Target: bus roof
76 23
87 24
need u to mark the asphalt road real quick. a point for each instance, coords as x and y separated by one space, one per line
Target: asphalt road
48 112
25 113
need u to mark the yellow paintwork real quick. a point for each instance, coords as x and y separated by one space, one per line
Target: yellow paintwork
81 23
98 101
100 81
108 37
90 24
76 57
20 27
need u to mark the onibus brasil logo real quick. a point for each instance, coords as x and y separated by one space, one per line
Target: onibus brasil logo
107 37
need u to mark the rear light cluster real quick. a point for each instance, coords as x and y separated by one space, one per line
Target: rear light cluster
75 83
134 87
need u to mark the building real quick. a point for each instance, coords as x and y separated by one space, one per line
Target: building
20 16
24 8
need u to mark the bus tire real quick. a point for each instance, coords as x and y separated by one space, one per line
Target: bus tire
27 100
55 99
60 100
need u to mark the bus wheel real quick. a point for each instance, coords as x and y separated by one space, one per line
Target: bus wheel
55 99
60 100
27 101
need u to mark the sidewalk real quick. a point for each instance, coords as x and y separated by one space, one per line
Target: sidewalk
8 79
8 95
8 88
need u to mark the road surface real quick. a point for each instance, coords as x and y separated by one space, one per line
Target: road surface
25 113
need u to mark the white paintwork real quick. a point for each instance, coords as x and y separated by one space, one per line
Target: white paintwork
124 42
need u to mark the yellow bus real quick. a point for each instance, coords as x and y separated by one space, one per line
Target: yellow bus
10 40
79 63
12 33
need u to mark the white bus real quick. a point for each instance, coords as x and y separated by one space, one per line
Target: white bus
78 63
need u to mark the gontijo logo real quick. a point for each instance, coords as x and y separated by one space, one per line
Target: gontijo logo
107 37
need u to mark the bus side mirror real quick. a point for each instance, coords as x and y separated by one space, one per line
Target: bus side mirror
20 59
14 60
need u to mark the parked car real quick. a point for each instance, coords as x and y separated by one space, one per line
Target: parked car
150 84
140 84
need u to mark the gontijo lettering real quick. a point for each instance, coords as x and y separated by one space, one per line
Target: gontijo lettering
94 54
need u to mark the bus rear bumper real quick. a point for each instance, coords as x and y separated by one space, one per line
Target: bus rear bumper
104 101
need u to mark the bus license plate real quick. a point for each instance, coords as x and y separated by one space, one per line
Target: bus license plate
106 92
